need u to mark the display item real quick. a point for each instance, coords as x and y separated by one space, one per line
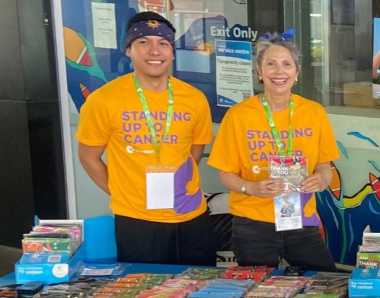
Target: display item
287 209
292 169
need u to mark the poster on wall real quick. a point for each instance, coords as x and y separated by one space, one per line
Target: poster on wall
376 59
104 25
234 80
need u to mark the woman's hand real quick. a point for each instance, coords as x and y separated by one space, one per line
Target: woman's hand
314 183
319 180
267 188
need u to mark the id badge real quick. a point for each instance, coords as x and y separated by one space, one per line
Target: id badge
287 211
160 187
293 169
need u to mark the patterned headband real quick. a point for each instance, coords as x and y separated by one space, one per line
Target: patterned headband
150 28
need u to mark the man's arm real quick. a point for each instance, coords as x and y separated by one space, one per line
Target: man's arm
197 151
91 160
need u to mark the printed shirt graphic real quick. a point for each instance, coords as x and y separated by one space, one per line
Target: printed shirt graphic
244 144
112 116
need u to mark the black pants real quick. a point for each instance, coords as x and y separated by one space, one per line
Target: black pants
187 243
258 243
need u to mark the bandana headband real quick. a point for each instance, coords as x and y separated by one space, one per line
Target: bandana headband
149 28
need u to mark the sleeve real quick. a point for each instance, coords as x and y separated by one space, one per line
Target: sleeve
328 149
94 127
202 132
224 154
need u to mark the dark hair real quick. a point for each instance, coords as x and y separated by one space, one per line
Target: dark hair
263 44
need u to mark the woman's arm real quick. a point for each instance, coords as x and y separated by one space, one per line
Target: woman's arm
270 187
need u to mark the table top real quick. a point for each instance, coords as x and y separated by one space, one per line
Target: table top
9 279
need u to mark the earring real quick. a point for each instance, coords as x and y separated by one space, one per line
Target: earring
260 79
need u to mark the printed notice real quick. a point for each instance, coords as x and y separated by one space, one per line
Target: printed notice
233 71
104 25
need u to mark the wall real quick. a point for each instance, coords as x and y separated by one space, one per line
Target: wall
31 172
353 200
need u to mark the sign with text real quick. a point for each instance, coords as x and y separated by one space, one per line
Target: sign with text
233 71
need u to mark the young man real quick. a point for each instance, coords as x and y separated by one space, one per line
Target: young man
154 128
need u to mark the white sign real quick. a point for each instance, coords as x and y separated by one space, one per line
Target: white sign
160 190
104 25
233 71
235 32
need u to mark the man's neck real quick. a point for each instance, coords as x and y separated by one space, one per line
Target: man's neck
151 83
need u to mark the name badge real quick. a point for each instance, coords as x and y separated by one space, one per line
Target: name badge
287 210
160 187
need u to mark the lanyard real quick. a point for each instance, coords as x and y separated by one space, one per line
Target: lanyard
274 130
148 115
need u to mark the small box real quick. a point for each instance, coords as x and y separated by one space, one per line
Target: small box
364 283
368 260
359 94
48 267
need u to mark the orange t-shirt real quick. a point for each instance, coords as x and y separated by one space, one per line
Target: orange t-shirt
244 143
112 116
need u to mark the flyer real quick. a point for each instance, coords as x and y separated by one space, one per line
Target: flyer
233 71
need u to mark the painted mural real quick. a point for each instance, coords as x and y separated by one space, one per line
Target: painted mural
345 217
89 67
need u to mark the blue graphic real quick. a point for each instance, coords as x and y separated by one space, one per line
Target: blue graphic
375 165
342 149
362 137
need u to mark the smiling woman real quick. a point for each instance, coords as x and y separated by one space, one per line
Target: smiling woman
278 69
276 125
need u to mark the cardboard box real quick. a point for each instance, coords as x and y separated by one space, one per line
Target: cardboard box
364 283
48 267
368 260
359 94
98 246
51 267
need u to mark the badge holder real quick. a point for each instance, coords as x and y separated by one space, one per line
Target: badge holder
287 210
287 206
160 187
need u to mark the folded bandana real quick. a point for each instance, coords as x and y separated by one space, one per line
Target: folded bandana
149 24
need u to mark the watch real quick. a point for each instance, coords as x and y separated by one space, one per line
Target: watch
243 189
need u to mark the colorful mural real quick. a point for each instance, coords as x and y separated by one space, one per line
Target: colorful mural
89 67
345 217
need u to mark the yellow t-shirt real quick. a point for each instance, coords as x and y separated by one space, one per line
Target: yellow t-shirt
244 143
112 116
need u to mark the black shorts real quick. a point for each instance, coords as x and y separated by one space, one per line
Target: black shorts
258 243
187 243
